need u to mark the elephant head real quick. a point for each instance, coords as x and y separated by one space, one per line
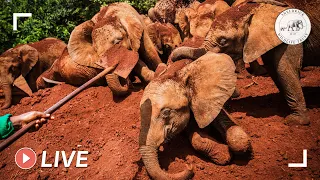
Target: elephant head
199 17
164 37
15 64
116 24
239 32
202 86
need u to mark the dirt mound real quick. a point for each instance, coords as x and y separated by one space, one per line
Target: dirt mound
108 128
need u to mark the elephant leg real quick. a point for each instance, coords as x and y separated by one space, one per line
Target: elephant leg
236 138
283 64
257 69
208 146
143 72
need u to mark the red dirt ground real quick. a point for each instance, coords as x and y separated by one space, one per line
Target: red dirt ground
108 128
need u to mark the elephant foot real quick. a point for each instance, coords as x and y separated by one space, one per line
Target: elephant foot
220 154
237 139
208 146
297 119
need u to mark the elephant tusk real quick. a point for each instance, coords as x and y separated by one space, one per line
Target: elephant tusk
51 81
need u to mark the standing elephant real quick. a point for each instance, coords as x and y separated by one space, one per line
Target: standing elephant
247 31
196 19
118 24
294 25
190 96
22 65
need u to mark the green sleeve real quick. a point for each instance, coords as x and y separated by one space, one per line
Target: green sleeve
6 127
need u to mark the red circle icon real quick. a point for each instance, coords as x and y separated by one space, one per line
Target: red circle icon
25 158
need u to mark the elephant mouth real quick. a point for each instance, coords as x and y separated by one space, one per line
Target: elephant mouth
168 134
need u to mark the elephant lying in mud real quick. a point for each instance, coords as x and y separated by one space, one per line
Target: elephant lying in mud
241 33
117 24
22 65
190 95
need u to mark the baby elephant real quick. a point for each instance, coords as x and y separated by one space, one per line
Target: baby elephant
190 95
22 65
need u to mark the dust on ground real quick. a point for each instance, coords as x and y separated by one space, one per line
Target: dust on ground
108 128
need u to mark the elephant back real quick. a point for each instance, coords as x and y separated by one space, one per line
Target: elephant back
49 50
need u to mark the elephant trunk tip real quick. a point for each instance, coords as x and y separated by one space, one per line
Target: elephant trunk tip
150 159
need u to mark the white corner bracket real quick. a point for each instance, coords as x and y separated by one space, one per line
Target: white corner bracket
15 19
303 164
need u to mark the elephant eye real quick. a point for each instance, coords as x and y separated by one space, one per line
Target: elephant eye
222 41
165 113
14 70
119 39
166 46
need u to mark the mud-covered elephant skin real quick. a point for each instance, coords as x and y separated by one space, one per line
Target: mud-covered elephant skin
238 33
117 24
196 19
165 10
22 65
190 95
161 39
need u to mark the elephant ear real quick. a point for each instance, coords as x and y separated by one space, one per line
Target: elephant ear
260 35
124 59
134 29
22 84
153 33
29 57
211 80
80 45
183 22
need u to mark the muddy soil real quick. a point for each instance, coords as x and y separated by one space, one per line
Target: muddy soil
108 128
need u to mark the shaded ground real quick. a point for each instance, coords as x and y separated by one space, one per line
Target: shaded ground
108 128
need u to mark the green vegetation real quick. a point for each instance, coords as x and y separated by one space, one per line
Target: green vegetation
50 18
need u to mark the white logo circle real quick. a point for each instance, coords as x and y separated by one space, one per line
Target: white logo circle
293 26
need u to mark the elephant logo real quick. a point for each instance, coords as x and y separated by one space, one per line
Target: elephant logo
292 26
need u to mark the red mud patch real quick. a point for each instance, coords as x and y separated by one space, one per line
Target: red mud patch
108 128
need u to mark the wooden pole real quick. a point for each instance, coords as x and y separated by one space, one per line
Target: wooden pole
53 108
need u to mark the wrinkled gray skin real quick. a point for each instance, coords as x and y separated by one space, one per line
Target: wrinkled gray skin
202 86
238 33
27 62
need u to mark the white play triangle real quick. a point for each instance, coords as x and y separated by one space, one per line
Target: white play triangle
25 158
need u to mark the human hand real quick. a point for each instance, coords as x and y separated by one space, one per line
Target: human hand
24 119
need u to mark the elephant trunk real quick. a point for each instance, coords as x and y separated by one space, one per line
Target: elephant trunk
115 85
150 160
7 90
187 53
143 72
149 152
